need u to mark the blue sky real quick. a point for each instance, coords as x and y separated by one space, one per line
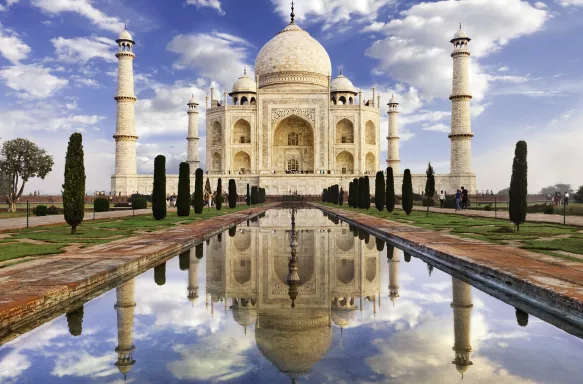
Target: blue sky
58 74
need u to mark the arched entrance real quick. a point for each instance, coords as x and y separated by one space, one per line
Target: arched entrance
242 163
344 132
293 146
344 163
242 132
216 162
370 163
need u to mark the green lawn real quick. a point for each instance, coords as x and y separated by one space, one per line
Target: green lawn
54 238
532 236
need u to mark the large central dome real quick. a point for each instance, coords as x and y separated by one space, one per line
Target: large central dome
293 57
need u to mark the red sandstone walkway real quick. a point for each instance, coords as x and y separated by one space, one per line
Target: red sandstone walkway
30 288
541 278
531 217
34 221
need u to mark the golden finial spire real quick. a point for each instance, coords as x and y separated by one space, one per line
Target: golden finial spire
292 14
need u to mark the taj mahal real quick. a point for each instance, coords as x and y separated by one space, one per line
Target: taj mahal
293 127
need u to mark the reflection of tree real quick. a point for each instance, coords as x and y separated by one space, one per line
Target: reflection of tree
521 318
160 274
200 251
75 321
184 260
407 257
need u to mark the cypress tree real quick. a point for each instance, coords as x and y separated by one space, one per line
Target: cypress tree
518 186
379 195
430 183
183 199
350 193
366 193
407 193
253 195
356 198
233 231
159 192
248 196
361 196
75 321
198 196
390 193
232 193
74 186
341 197
199 251
335 194
219 198
160 274
184 261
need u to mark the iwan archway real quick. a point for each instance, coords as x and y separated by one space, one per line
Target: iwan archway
293 146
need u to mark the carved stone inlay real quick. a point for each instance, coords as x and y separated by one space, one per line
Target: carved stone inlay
307 113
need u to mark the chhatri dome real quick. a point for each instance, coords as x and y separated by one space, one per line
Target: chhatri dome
125 35
293 57
244 84
341 83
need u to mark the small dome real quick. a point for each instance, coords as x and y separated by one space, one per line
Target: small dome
460 34
341 84
342 318
192 101
125 35
245 84
393 100
245 317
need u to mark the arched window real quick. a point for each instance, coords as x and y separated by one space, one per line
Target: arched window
293 164
244 100
253 102
293 139
217 134
370 133
342 100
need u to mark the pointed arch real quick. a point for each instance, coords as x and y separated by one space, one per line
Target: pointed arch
370 137
344 132
242 132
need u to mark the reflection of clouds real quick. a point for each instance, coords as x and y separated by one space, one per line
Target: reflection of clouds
417 355
12 365
405 312
81 363
427 297
218 357
441 286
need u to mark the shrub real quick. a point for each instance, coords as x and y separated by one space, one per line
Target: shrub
183 198
428 202
139 203
74 186
148 198
390 191
232 193
488 207
549 210
122 205
40 210
219 198
54 210
159 192
101 204
407 193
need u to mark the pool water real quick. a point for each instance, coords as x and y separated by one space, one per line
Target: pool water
223 313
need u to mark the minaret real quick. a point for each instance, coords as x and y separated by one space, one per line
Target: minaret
193 276
394 275
125 128
393 153
461 129
192 150
125 326
462 314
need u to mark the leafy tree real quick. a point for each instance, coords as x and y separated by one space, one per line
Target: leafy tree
74 186
183 198
20 161
552 189
429 188
75 321
407 192
232 193
379 195
219 198
503 192
518 186
248 196
198 196
159 192
341 197
390 192
579 195
160 274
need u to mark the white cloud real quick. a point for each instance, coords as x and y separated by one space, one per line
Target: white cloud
417 52
566 3
440 127
12 47
216 4
9 3
32 81
82 49
217 56
503 69
540 5
376 26
332 11
83 8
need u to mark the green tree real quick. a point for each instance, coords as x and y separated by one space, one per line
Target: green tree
219 198
74 186
390 192
232 193
183 198
518 186
379 194
361 196
248 196
429 188
198 197
22 160
356 198
579 195
407 193
364 193
350 193
159 192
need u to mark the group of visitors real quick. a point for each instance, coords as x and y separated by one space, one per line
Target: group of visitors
559 199
462 201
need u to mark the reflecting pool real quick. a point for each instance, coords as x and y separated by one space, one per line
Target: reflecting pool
357 310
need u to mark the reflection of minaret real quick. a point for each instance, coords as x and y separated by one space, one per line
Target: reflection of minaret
462 313
125 323
394 274
193 276
293 278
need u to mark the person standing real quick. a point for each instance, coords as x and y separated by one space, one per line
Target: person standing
464 198
566 198
458 198
442 198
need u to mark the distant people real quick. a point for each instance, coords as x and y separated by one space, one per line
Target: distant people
566 198
556 199
442 198
464 198
458 200
560 197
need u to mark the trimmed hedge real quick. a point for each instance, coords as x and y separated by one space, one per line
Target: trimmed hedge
139 203
101 204
40 210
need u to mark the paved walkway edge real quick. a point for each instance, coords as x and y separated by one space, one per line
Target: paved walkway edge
559 309
28 311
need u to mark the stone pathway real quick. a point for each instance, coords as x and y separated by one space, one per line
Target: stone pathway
34 221
531 217
552 284
30 289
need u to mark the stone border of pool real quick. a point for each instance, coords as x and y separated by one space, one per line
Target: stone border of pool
32 292
540 281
